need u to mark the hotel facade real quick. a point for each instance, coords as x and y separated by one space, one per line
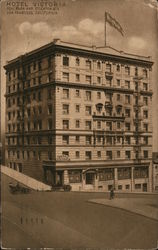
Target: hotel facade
82 116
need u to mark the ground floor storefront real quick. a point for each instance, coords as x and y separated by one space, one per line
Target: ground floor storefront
126 179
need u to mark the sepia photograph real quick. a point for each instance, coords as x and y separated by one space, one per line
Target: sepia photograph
79 124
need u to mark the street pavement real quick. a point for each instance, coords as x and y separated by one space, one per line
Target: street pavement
143 206
69 220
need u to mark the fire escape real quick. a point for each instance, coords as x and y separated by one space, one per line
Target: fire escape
138 119
21 104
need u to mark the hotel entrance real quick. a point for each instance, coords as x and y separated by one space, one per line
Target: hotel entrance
90 178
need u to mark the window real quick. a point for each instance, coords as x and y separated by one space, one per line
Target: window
77 93
145 73
118 125
88 110
39 125
88 139
65 61
65 153
50 125
118 154
127 154
98 65
28 112
145 140
39 65
34 96
128 139
65 109
77 138
124 173
88 155
118 68
141 172
39 80
98 79
39 140
108 67
77 77
49 94
77 154
127 84
88 79
127 70
118 110
39 109
127 126
145 114
34 65
118 82
99 154
50 155
65 76
50 77
75 176
127 99
65 124
106 174
88 125
39 155
145 154
99 108
145 100
49 61
145 86
109 126
98 95
50 139
127 186
34 81
127 112
109 155
39 96
99 139
88 95
88 64
108 81
137 186
136 71
28 154
65 139
77 108
119 187
145 126
98 124
109 140
77 124
118 97
77 61
65 93
49 109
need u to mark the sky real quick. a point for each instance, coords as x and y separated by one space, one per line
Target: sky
81 21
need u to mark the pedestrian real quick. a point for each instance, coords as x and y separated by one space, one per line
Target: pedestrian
111 193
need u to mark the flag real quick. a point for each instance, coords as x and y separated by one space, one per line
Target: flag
112 21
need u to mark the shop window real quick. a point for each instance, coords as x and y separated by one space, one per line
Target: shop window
75 176
106 174
124 173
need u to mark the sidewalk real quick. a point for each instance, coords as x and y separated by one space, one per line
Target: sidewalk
142 206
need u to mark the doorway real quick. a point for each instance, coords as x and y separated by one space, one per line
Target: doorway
90 178
145 187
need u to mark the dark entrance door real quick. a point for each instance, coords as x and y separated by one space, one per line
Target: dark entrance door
144 187
89 178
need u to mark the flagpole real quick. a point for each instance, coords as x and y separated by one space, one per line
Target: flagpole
105 27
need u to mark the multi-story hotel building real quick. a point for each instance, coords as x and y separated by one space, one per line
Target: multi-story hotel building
82 116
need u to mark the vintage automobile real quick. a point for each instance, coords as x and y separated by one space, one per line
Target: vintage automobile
18 189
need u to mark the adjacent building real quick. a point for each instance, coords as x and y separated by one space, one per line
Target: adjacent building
155 171
82 116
